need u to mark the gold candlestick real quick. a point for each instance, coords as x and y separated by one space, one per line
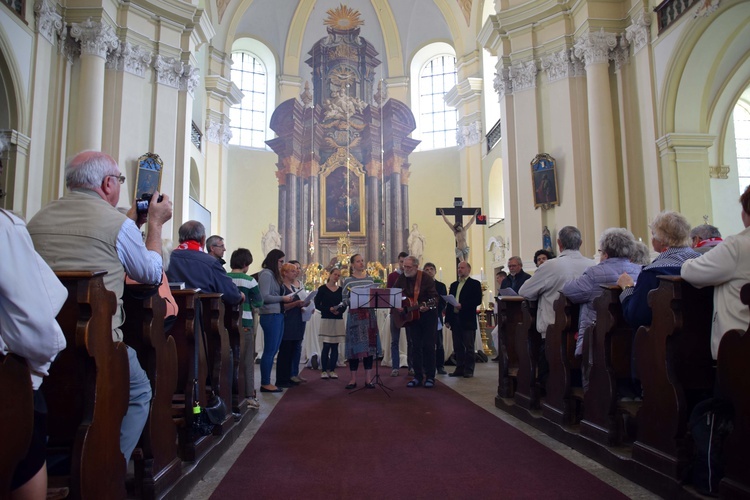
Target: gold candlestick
483 322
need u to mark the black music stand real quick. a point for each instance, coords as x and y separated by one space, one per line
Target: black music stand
376 298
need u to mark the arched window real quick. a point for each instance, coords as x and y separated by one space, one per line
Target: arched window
254 72
248 119
742 143
437 123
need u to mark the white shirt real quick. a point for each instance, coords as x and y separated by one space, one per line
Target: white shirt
727 268
30 298
548 280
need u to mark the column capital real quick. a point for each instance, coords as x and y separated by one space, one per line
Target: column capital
562 64
218 132
502 82
66 46
130 58
469 134
168 71
96 38
190 78
523 75
639 32
594 47
49 23
621 53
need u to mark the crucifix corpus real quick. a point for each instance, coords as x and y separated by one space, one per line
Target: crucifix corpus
459 230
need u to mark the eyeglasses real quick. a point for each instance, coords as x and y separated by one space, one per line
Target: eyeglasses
119 177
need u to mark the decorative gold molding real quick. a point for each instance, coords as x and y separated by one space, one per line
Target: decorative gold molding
374 168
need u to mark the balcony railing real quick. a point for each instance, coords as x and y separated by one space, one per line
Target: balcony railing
493 136
196 137
670 11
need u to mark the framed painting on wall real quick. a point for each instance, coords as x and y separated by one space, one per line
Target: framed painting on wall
544 181
342 206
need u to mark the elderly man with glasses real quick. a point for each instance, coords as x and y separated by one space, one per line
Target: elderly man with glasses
84 231
215 247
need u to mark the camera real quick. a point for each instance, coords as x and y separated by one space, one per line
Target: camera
141 206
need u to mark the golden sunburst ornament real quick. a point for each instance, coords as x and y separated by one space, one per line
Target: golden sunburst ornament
343 18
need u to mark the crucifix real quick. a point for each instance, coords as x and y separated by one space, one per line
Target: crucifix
459 230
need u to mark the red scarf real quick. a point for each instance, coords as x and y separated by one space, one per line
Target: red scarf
190 245
703 243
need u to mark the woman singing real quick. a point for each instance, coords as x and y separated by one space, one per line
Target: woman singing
332 329
361 326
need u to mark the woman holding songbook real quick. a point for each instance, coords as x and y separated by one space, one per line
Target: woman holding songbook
361 325
294 328
271 315
332 328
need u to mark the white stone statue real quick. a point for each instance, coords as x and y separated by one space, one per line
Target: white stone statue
416 242
270 240
498 252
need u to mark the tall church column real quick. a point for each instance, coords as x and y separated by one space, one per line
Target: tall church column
96 39
466 97
222 94
372 183
638 34
685 169
396 232
594 48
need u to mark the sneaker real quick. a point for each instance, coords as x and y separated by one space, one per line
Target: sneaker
324 375
297 380
332 375
394 373
303 379
411 372
253 404
314 362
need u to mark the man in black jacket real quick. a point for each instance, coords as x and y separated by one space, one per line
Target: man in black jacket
517 276
463 320
429 268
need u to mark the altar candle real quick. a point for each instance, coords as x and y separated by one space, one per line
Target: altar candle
440 273
481 273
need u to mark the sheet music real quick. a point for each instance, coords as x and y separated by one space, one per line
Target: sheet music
450 300
308 297
308 311
507 292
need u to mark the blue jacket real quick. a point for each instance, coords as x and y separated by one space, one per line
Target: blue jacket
635 308
200 270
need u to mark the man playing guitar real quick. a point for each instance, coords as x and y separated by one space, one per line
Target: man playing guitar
419 288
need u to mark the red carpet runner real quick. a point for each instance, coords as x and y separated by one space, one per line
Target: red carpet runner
322 442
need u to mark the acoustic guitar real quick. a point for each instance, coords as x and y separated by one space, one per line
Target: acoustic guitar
410 311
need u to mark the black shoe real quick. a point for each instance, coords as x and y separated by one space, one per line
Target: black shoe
441 371
370 385
263 389
350 386
496 359
468 375
414 383
456 374
314 362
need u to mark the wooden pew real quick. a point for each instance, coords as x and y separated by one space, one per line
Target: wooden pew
560 402
527 342
87 392
190 445
509 316
218 355
610 342
674 364
158 465
233 326
16 419
734 384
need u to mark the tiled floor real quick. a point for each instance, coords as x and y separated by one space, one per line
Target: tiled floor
481 390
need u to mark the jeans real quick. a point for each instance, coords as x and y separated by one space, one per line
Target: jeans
330 356
273 331
139 402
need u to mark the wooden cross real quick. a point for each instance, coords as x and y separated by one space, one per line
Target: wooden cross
458 211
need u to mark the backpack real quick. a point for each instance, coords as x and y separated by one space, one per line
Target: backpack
710 422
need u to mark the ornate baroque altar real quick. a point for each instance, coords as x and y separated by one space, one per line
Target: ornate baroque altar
343 153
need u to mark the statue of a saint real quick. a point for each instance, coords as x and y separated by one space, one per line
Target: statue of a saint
416 242
546 239
459 231
270 240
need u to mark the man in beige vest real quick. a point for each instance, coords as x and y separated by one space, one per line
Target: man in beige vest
84 231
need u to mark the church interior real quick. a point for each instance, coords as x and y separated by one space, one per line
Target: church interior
357 121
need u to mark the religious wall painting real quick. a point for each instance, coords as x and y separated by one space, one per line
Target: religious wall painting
544 181
148 175
342 179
